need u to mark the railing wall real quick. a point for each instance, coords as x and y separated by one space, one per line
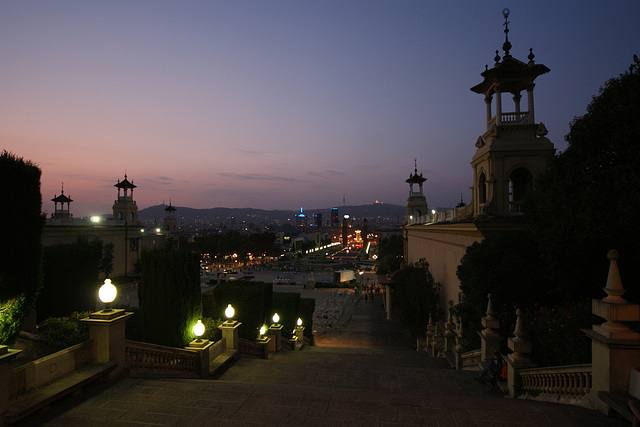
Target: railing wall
151 360
565 384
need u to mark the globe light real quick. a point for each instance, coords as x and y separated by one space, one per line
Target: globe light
276 318
263 330
107 293
198 329
229 311
299 322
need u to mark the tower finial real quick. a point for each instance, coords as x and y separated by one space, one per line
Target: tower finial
415 163
506 46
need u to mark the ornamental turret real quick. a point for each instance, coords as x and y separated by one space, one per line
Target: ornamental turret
513 150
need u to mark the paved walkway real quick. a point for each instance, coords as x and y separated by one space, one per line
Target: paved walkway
369 376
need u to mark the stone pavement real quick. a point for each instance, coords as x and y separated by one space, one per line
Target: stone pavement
369 376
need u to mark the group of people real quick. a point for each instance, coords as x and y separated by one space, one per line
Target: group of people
369 290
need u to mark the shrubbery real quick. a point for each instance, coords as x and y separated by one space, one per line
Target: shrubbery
63 332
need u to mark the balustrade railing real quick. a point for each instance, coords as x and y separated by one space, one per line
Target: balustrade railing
249 348
471 359
565 384
515 118
151 360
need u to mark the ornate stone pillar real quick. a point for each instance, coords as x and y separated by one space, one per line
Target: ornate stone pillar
490 336
107 329
449 335
615 348
498 106
230 333
519 359
461 344
487 100
532 118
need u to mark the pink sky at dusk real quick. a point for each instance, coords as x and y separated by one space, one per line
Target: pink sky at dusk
281 104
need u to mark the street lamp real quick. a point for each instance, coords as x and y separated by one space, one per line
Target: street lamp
198 330
107 294
229 312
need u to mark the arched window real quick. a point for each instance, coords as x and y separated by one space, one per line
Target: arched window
131 216
482 188
120 216
520 184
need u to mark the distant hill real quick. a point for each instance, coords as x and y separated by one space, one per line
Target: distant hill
377 212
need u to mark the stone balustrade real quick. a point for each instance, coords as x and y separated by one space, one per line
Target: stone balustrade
565 384
151 360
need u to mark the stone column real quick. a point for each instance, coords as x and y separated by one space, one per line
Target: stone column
264 343
489 336
615 348
230 333
516 100
487 100
6 355
107 329
498 107
519 359
202 347
532 118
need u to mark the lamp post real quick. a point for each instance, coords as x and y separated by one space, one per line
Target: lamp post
107 329
275 332
230 328
264 342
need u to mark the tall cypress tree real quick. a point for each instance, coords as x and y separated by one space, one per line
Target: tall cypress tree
21 222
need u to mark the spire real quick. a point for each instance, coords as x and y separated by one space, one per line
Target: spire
506 46
415 162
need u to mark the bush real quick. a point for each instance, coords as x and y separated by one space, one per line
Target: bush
63 332
287 305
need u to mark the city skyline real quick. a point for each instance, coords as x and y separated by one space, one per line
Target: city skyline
277 105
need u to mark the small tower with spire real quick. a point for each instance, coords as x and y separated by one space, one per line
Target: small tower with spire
417 202
513 149
124 207
60 213
170 223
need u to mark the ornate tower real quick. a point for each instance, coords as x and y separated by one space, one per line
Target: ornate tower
124 207
513 150
61 212
417 202
170 223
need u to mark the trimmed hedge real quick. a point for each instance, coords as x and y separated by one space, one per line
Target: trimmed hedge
287 305
251 301
307 307
70 279
169 296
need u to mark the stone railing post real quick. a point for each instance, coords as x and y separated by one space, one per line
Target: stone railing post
461 344
489 336
519 359
615 348
6 355
107 329
275 333
431 332
449 334
202 347
230 333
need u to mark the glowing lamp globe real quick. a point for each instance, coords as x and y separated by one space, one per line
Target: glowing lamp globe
263 330
299 322
276 318
107 292
198 329
229 311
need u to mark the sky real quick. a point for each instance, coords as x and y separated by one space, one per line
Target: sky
282 104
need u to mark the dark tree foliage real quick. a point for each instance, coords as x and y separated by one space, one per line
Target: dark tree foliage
252 302
390 254
415 296
71 279
20 242
106 263
507 265
588 200
169 295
